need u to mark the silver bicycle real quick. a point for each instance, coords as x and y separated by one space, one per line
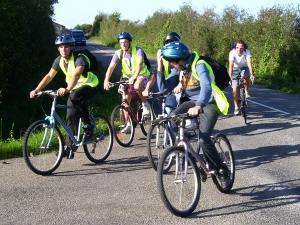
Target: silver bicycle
180 185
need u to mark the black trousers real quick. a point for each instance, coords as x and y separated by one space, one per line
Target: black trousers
77 107
208 121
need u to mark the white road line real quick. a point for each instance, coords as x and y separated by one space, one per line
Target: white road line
278 110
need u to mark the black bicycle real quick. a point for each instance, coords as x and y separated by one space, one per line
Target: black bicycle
242 98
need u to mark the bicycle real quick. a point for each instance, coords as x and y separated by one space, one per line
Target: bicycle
180 185
242 97
131 114
160 136
43 146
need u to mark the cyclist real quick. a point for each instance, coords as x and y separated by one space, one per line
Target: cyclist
81 85
240 63
200 89
133 68
167 77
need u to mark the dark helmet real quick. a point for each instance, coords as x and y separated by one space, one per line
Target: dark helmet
174 51
65 39
125 35
172 36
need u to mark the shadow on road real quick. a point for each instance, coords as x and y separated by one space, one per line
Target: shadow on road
110 166
256 157
261 197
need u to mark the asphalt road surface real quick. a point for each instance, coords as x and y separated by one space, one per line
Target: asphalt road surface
123 190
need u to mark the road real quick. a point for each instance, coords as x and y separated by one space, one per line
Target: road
123 189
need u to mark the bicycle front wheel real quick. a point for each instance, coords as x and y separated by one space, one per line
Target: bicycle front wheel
122 125
99 150
42 147
159 139
226 154
180 186
243 105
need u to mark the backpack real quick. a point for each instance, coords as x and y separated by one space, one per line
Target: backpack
94 65
220 71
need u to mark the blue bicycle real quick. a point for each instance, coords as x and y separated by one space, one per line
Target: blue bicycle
43 146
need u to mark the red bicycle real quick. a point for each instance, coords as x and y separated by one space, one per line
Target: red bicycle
125 116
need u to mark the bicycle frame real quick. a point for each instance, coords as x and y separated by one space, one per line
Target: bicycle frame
54 116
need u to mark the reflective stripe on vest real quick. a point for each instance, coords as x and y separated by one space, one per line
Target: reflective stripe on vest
218 94
166 68
90 80
126 71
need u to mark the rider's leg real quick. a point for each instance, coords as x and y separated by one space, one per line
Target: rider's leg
235 91
171 103
246 80
79 99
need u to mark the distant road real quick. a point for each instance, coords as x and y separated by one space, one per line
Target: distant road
123 190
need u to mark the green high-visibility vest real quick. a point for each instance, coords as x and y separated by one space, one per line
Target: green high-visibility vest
127 72
219 96
90 80
166 68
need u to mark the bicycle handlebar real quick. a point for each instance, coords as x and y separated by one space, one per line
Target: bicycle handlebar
113 84
176 118
51 93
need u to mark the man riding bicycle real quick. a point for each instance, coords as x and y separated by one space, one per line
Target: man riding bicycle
200 89
240 63
81 85
133 68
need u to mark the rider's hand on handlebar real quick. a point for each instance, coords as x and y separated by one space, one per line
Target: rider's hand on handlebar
106 85
178 89
62 91
132 80
194 111
33 93
145 93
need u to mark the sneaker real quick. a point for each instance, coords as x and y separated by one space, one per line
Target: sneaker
236 112
68 153
146 108
89 133
126 129
247 94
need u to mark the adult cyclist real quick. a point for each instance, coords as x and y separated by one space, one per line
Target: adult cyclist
134 69
199 86
167 78
240 63
81 85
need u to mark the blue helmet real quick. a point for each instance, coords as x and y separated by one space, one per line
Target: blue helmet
175 51
125 35
65 39
172 36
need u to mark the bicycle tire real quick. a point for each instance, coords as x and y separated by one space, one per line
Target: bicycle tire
226 154
243 105
178 207
156 146
99 150
118 122
41 159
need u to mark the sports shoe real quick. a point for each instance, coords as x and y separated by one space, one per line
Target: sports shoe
126 129
68 152
146 108
236 112
247 94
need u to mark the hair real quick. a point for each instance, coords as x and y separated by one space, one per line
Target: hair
240 41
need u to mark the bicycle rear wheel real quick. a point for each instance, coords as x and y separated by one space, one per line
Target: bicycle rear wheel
99 150
120 118
42 147
226 154
159 139
180 186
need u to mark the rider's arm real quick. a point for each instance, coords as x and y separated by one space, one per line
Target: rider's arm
249 63
140 61
159 61
109 71
205 82
75 77
44 82
231 62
